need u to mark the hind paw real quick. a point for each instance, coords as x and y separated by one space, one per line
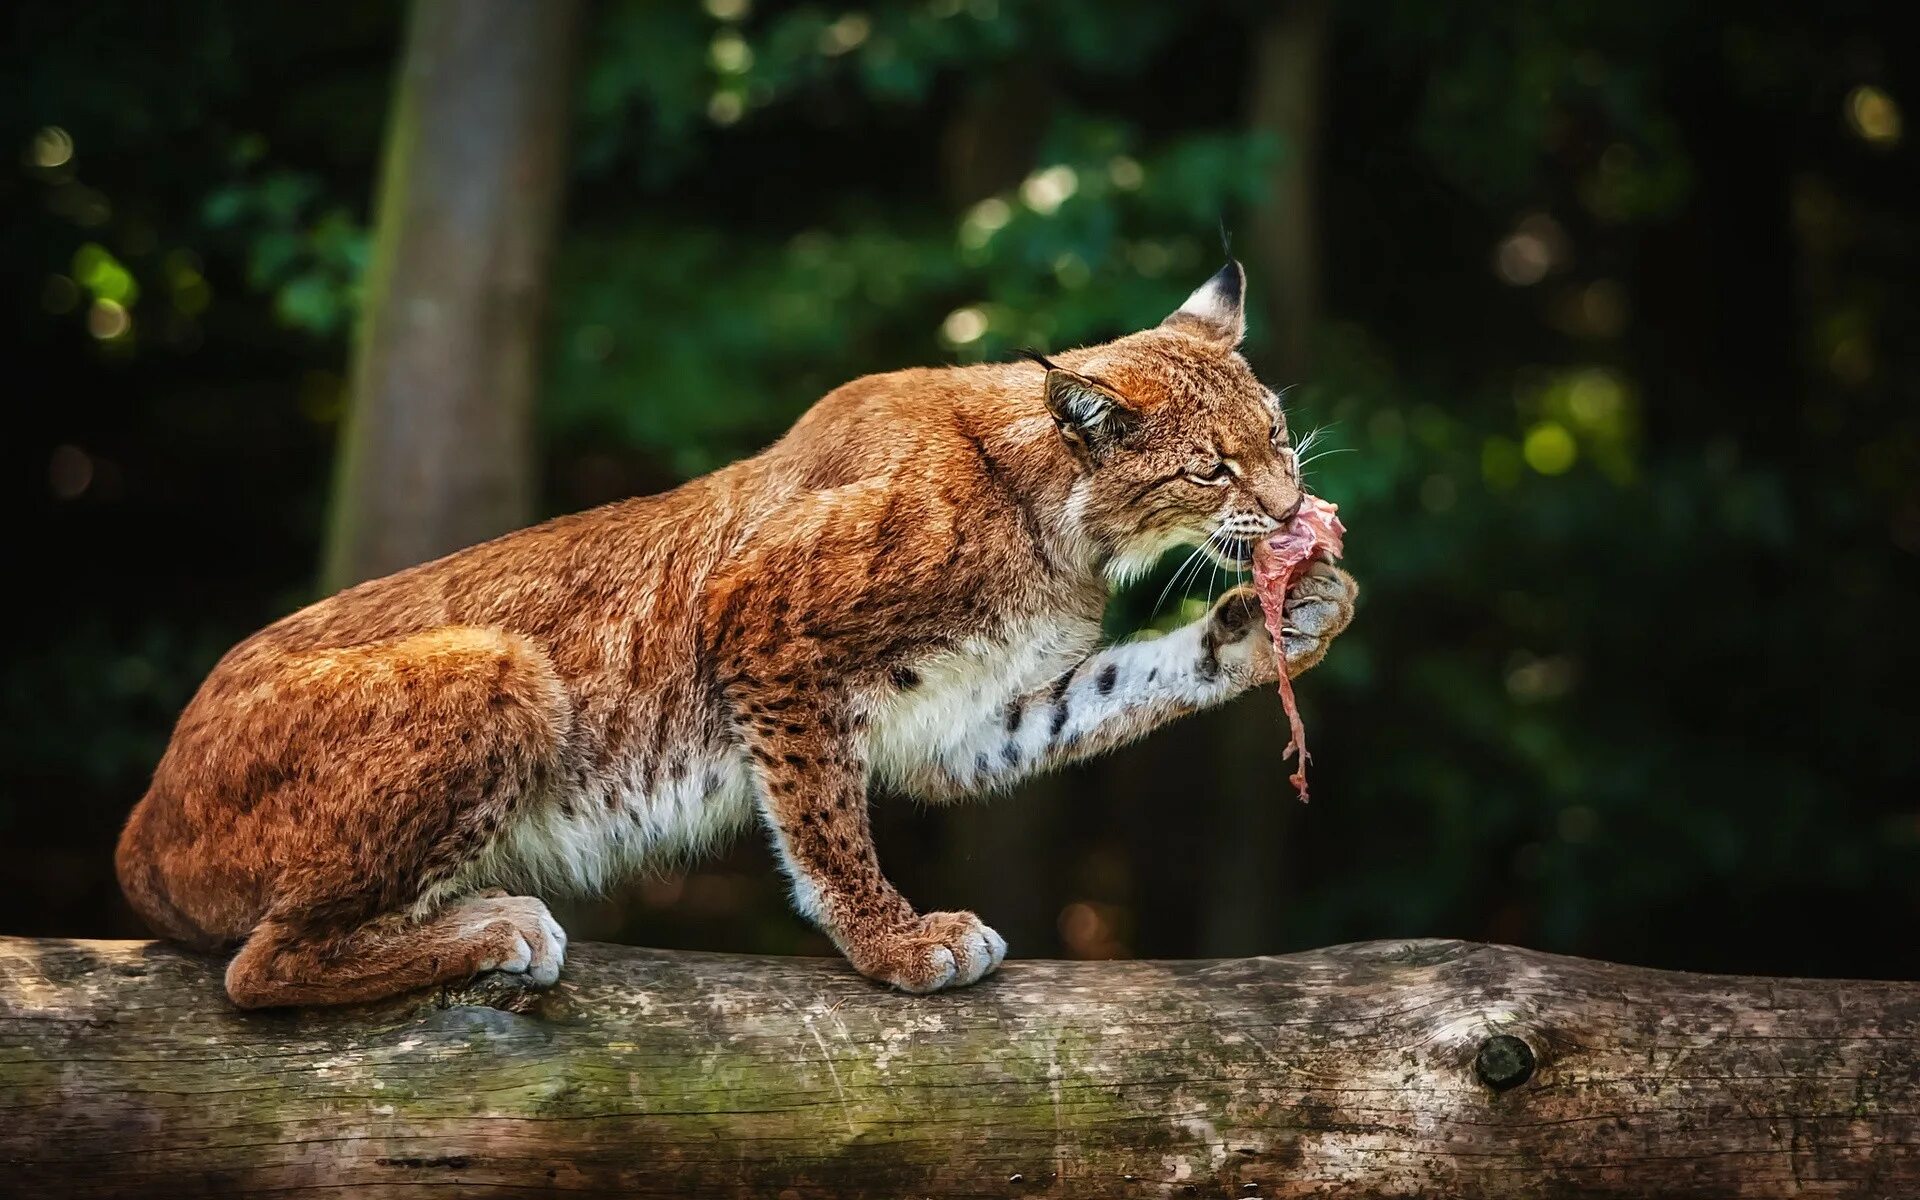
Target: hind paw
514 934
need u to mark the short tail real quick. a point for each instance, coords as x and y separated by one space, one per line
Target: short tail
136 862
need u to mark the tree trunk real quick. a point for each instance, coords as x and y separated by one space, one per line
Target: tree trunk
437 449
1289 49
1389 1069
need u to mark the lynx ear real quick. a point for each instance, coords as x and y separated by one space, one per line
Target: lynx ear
1089 417
1216 311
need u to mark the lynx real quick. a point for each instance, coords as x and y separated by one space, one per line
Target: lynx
905 591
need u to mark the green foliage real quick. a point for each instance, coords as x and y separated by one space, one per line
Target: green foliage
306 252
729 335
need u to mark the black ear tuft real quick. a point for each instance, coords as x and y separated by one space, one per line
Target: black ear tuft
1217 308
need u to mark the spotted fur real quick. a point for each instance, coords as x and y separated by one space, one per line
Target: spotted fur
906 589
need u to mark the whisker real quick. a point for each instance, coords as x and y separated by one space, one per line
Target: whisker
1175 578
1162 599
1302 468
1308 440
1200 557
1226 536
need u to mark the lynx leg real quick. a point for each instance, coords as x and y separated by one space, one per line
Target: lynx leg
813 793
313 803
1128 690
282 964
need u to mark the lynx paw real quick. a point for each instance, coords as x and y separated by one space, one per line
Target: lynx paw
1319 606
515 934
939 950
1235 643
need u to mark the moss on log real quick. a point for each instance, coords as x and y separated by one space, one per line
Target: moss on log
1387 1069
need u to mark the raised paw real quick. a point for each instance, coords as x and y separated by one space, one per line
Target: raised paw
1319 606
514 934
1235 641
939 950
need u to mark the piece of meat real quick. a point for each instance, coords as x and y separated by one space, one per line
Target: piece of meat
1277 562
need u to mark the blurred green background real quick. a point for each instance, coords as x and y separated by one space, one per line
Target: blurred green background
1614 305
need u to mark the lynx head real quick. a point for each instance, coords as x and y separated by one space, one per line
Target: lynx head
1177 442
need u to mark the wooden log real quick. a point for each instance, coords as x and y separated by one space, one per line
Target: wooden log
1388 1069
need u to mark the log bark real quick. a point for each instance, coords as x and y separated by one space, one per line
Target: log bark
437 449
1388 1069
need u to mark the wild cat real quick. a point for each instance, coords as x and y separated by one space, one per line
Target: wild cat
905 590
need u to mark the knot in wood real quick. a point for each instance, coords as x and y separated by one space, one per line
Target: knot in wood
1504 1061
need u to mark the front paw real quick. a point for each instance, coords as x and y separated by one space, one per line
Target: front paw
1319 606
939 950
1235 644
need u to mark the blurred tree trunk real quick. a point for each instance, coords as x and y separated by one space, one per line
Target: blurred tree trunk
437 449
991 141
1288 53
1247 888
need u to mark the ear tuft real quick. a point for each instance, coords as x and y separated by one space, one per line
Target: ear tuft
1217 308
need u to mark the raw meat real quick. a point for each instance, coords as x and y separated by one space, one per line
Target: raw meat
1277 562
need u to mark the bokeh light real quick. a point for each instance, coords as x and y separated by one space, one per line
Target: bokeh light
51 147
726 108
108 320
96 269
1045 191
69 472
984 220
1873 115
1535 247
1126 173
729 53
845 34
1549 448
963 326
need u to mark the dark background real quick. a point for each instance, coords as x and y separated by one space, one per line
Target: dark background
1613 303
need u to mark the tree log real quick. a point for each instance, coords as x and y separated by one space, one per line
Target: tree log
1387 1069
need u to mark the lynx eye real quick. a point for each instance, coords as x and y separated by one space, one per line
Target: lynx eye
1212 476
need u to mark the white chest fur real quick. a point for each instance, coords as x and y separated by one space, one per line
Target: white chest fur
938 720
586 841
